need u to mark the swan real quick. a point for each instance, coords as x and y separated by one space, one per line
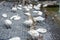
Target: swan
19 8
7 22
41 30
35 11
40 13
36 7
16 17
39 5
33 33
28 14
28 22
30 7
39 18
4 15
20 5
26 8
45 5
14 8
15 38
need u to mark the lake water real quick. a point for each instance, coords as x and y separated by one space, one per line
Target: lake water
18 28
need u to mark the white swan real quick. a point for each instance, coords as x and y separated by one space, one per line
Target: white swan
30 7
15 38
40 13
35 11
7 22
28 14
16 17
45 5
41 30
39 5
19 8
14 8
36 7
39 18
4 15
33 33
25 7
20 5
28 22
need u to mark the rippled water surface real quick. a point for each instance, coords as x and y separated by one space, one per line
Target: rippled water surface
17 28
